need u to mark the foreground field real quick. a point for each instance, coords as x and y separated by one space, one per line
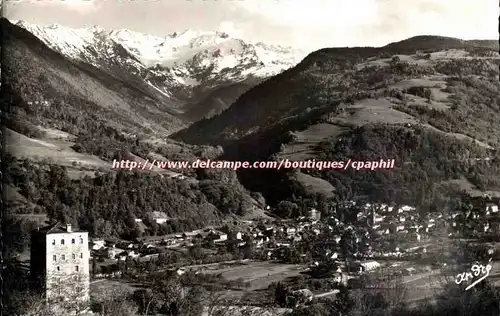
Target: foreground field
259 274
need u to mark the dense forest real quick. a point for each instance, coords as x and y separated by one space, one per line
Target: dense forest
424 159
108 203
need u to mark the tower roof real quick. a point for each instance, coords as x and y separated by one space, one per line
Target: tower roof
58 228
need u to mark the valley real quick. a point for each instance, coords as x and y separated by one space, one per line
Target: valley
221 242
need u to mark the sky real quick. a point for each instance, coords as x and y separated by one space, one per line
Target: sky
303 24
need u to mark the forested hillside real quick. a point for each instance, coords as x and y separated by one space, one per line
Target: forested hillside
431 103
67 121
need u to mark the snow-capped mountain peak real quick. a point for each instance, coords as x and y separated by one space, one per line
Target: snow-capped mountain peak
187 61
152 49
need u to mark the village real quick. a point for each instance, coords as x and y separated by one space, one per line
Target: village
309 253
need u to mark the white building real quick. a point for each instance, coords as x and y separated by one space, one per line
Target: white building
98 244
314 215
370 265
493 208
60 265
222 237
113 252
160 217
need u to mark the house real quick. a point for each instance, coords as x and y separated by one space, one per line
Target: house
122 256
314 215
113 252
486 227
216 236
370 265
331 255
159 217
222 237
189 235
180 271
407 208
365 266
377 218
133 254
290 230
98 244
493 208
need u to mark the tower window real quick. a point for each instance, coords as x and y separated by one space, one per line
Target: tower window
73 240
53 241
58 268
76 268
81 239
54 258
81 254
74 256
62 241
63 257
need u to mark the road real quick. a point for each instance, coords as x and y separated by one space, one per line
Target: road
334 292
97 281
425 279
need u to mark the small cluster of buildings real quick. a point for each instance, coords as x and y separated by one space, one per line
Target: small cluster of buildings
479 221
40 102
261 234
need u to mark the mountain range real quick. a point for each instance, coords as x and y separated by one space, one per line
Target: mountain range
198 73
81 98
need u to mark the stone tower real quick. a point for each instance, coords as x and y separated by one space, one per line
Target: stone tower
60 265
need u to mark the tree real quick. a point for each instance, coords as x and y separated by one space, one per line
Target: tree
116 302
214 302
343 301
192 302
249 247
94 265
127 264
286 209
32 304
196 251
232 242
68 293
168 291
280 293
146 301
348 246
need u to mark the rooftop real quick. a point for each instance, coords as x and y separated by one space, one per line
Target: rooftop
58 228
